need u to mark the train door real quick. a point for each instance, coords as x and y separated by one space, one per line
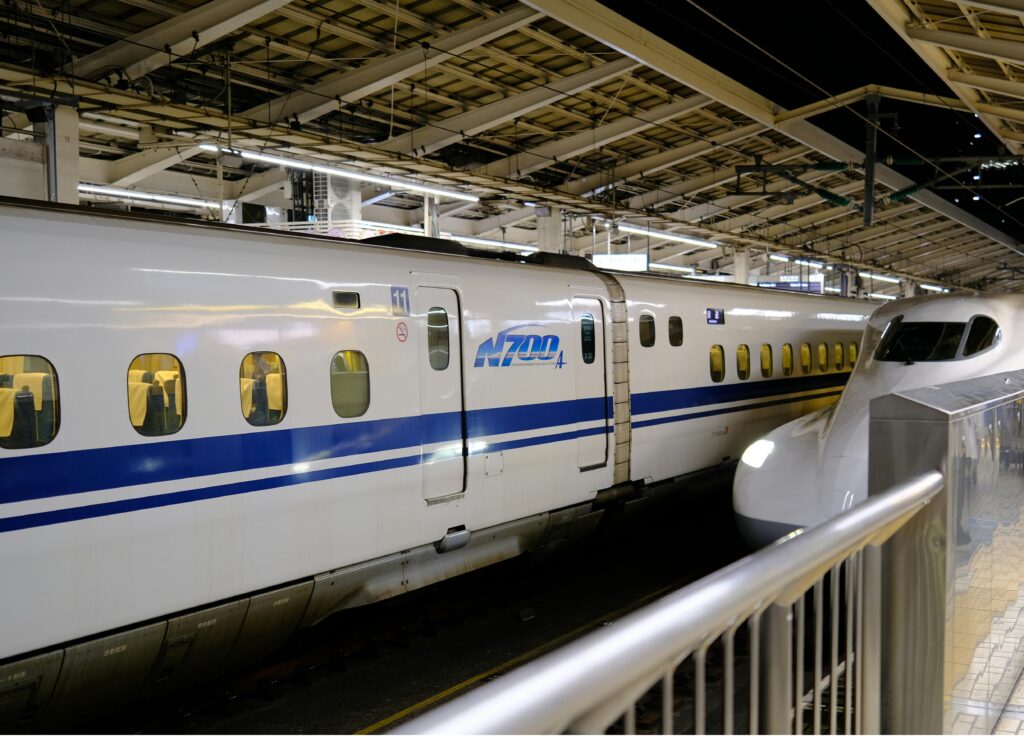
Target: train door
591 385
441 408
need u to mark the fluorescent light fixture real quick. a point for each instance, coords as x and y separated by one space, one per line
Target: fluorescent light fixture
934 288
800 261
394 183
87 188
522 247
812 264
620 261
669 267
879 296
878 277
658 235
832 290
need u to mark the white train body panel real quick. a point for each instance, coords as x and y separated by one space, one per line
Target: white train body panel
103 528
817 466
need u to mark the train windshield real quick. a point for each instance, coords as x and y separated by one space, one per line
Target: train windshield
911 342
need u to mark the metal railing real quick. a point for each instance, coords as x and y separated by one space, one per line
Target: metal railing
651 671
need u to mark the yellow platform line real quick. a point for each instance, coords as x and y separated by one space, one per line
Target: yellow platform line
539 651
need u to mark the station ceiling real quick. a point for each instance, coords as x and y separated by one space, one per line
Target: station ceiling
549 103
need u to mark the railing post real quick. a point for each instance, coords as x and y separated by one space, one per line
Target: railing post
777 670
869 655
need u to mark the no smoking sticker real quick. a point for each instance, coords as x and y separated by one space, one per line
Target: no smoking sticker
402 332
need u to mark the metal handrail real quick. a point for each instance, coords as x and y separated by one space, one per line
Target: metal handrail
565 687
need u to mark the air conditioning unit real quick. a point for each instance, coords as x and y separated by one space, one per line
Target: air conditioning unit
337 206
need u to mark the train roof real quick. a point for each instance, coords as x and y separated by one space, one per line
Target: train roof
396 242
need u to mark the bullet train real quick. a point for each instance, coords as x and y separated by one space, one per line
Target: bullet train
211 436
816 466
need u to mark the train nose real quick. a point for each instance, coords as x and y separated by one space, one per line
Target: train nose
791 488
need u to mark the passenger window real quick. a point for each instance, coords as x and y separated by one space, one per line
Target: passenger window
853 354
646 330
787 359
350 384
437 338
767 362
805 358
156 394
587 342
717 363
743 361
984 332
263 387
675 331
822 357
29 402
837 356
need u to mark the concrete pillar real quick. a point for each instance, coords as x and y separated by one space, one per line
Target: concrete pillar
60 135
741 266
431 222
549 229
848 283
22 169
907 288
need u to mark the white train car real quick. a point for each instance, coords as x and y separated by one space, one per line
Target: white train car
815 467
210 437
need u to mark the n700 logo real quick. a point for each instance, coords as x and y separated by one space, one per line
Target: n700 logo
513 346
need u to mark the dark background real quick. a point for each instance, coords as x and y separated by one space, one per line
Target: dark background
797 52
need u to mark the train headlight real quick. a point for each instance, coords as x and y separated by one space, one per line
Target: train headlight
757 453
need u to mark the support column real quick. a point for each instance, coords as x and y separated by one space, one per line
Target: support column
60 129
549 229
907 288
431 222
741 266
848 283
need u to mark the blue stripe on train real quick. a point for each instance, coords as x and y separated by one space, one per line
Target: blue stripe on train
670 400
74 514
735 409
60 473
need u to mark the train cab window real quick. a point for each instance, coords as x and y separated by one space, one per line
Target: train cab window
910 342
264 388
852 357
675 331
767 360
350 384
743 362
837 355
823 357
587 338
984 333
437 338
787 359
717 363
805 358
156 394
29 402
647 330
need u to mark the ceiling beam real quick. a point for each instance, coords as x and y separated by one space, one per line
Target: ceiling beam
154 47
377 74
541 156
133 168
1006 87
671 192
659 161
433 137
